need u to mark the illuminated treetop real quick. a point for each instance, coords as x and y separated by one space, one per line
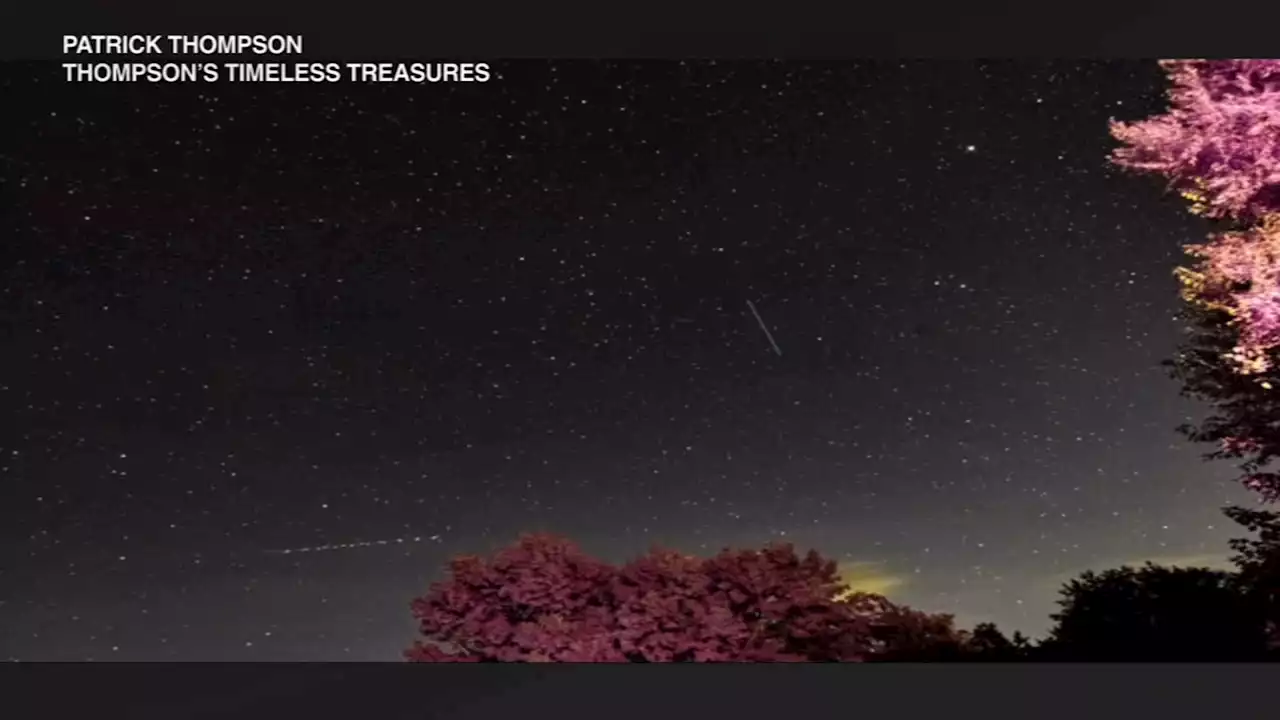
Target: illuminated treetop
544 600
1219 142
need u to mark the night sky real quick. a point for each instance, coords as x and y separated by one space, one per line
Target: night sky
244 319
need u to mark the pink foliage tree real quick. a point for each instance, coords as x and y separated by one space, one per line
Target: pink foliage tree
1239 273
1219 143
543 600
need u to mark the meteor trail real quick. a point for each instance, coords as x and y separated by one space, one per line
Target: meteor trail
353 545
765 328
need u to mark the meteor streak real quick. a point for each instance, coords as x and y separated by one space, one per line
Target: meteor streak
354 545
765 328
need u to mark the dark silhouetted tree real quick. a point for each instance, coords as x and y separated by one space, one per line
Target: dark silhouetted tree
1244 419
902 634
543 600
1156 613
985 643
1257 560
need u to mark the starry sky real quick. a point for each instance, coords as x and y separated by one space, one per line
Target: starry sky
245 319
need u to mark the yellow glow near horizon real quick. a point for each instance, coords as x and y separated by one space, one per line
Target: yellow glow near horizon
869 577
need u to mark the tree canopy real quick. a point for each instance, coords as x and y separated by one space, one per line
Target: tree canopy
1155 613
543 599
1219 142
1219 146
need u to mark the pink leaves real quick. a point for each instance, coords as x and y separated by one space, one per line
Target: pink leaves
1239 272
543 600
1220 139
1236 446
1219 145
515 606
1267 485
